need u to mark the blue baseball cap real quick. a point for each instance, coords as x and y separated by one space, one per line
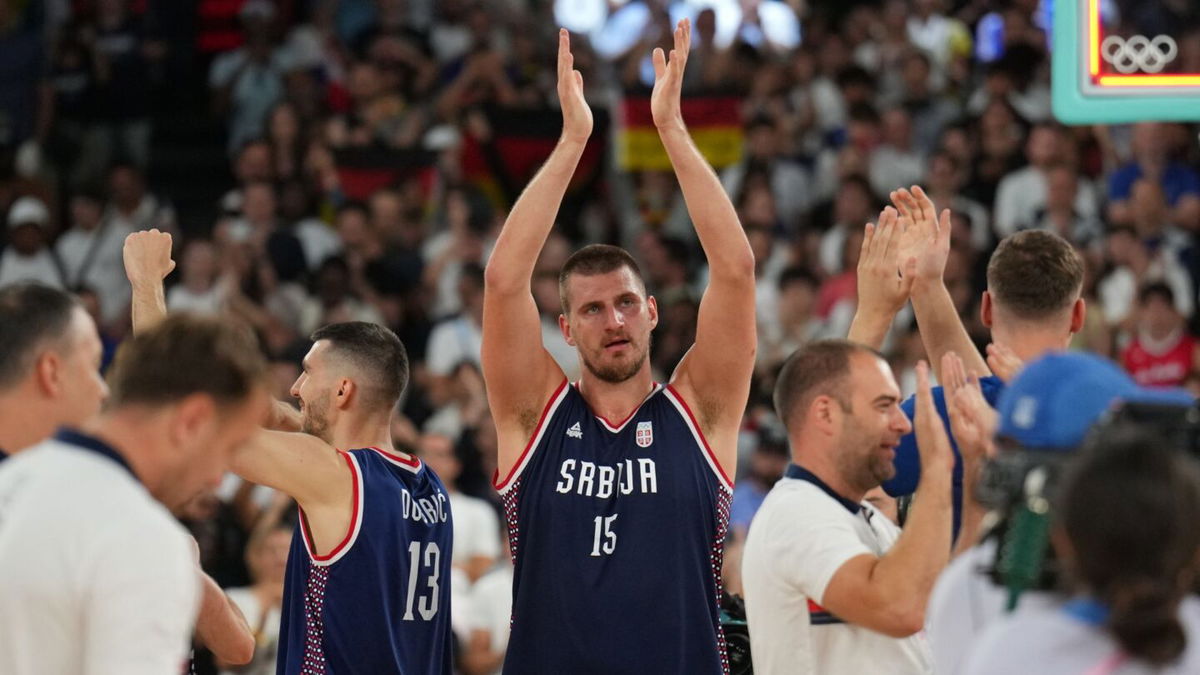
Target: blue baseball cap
1055 400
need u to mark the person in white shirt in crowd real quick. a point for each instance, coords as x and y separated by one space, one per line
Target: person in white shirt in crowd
1021 193
1125 534
459 338
1045 411
476 525
897 161
198 290
28 256
491 616
260 603
99 577
1136 264
832 585
132 207
90 253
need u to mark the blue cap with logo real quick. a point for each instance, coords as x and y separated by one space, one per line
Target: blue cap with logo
1053 401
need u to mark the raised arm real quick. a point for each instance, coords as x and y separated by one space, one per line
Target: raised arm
221 626
928 240
888 594
147 262
714 377
884 283
519 372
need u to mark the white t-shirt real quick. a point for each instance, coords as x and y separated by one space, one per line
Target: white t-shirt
40 267
1048 640
105 271
965 602
491 606
476 528
452 342
97 575
266 632
799 538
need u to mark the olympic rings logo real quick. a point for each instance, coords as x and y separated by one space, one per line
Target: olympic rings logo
1139 53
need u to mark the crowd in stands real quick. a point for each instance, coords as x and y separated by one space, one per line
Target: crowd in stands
374 146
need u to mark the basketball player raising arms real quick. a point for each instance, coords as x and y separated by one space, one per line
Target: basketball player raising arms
367 582
616 488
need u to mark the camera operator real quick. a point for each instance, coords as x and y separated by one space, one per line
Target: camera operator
1125 534
1044 416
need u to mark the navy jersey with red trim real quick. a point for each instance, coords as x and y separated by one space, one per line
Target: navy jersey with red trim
379 603
616 534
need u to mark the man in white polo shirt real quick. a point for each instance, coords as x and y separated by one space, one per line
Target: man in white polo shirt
97 576
833 586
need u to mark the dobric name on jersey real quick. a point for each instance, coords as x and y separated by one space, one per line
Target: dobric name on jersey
426 510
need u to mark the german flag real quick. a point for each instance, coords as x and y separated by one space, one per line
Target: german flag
715 123
362 171
520 142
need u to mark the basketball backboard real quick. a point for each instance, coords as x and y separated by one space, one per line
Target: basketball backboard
1126 60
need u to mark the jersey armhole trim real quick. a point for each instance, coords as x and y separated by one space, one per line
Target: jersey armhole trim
356 517
694 426
556 398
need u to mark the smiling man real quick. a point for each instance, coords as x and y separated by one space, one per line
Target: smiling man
832 585
617 488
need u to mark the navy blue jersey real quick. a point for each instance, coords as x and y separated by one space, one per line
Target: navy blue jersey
617 534
908 459
379 602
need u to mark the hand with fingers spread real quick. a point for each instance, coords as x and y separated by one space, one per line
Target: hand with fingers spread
577 115
668 79
972 420
885 277
932 442
885 280
1003 361
926 234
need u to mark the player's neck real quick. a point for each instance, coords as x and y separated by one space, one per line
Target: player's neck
134 441
615 400
351 433
820 462
1029 342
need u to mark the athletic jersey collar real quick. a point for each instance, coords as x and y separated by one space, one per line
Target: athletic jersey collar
93 444
800 473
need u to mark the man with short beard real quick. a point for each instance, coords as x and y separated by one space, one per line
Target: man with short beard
616 527
832 585
367 582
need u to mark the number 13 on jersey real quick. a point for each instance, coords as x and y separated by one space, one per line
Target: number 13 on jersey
605 540
427 606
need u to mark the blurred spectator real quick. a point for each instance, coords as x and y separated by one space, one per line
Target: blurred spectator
457 339
132 207
1021 193
1151 159
897 161
261 603
198 289
29 257
476 526
247 81
1163 352
1060 214
767 464
23 110
1136 264
792 322
789 183
90 253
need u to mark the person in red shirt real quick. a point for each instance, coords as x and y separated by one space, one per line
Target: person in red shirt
1163 352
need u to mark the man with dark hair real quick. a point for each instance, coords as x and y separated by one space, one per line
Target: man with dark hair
1032 305
49 365
366 586
617 527
98 576
1163 352
831 585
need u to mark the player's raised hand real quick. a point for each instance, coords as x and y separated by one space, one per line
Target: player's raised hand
972 420
147 257
668 78
932 442
1003 361
577 116
926 233
884 277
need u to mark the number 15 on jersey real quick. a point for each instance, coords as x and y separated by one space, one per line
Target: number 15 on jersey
605 540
